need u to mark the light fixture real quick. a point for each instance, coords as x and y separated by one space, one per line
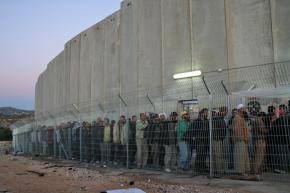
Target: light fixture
187 74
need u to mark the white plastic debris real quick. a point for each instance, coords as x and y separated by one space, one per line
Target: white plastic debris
131 190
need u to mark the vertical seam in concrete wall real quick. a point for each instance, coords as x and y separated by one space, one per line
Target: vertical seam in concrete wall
138 47
162 55
272 39
105 63
119 56
79 68
227 48
90 87
191 43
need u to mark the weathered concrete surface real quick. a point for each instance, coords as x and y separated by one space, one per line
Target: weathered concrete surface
249 41
176 51
281 38
129 55
150 54
111 65
87 52
135 52
281 30
75 70
60 74
97 72
209 43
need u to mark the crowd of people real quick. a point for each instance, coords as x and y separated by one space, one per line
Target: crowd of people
242 142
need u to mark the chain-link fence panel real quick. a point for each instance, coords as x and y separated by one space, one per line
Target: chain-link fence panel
232 123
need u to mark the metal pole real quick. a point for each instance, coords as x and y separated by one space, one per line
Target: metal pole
151 102
54 141
210 138
224 87
207 89
81 144
127 138
70 142
80 134
210 129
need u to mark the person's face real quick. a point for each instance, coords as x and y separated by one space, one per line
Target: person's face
157 119
162 117
205 114
282 111
223 113
143 116
186 116
134 118
243 110
173 118
123 120
107 122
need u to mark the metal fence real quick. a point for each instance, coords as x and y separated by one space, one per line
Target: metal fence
219 132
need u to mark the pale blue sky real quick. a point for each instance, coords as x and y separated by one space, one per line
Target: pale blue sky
33 32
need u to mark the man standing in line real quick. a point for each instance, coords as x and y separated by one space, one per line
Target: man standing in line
142 146
120 139
219 134
106 145
201 133
259 132
183 126
169 142
279 141
240 140
132 140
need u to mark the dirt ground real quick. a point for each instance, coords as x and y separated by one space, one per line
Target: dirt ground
17 175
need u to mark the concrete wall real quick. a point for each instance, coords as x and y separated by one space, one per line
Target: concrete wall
135 52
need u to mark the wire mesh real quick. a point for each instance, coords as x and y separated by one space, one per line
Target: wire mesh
217 127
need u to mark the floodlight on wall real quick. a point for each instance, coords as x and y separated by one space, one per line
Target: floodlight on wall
187 74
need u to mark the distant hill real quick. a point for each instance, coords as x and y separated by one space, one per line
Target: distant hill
10 115
10 111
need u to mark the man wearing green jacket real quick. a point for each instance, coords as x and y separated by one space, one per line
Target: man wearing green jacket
183 126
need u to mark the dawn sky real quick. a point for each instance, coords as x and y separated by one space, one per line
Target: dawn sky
32 33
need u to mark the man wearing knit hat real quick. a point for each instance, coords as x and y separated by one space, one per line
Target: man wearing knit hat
240 140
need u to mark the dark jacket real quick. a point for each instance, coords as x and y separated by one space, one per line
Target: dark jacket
201 130
279 133
168 132
259 129
198 132
219 128
153 133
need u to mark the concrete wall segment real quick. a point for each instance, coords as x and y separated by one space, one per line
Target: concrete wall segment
136 50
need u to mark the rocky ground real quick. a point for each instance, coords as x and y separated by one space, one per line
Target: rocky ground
44 175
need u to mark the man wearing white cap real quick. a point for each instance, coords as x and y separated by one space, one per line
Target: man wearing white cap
240 140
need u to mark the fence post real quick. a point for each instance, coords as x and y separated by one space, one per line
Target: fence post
210 138
80 135
59 145
127 138
54 141
81 145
